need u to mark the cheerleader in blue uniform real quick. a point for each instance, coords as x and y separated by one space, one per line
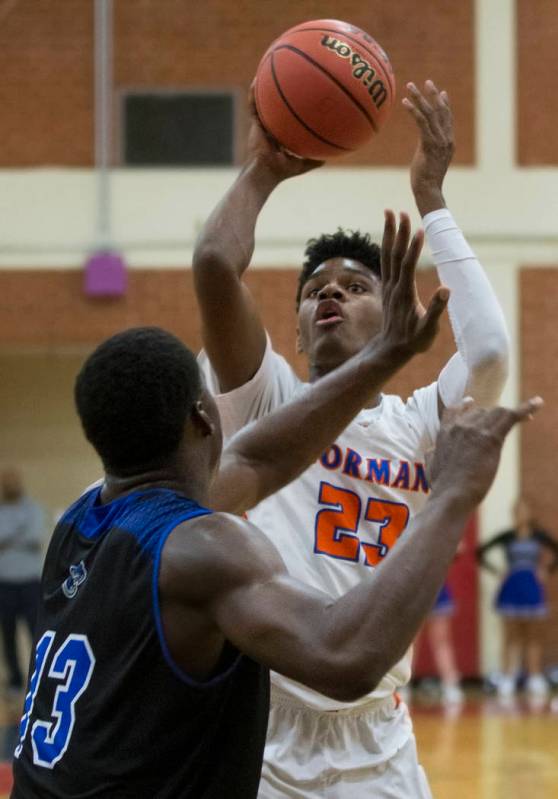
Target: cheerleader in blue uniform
521 600
439 633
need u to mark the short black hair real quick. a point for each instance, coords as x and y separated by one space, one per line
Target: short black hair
342 244
134 394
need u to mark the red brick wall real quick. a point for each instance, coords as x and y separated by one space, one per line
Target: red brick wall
47 69
539 441
47 309
537 101
46 90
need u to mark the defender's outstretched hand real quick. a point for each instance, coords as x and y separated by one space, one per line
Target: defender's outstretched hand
469 444
432 113
406 324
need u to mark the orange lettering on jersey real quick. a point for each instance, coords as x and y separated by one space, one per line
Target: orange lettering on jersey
336 525
392 518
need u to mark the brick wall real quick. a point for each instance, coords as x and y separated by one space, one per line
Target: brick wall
47 309
46 53
537 101
46 91
539 441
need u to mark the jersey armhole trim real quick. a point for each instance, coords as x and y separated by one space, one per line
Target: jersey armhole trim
174 667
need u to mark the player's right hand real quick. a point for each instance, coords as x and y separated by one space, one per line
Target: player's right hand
432 113
468 448
268 151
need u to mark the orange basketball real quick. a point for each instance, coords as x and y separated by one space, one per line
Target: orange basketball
324 88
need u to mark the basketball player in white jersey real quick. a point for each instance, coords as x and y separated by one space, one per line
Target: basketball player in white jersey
337 522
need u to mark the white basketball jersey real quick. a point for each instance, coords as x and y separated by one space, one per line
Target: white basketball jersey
336 523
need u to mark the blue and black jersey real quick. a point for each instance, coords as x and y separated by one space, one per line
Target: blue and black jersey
108 713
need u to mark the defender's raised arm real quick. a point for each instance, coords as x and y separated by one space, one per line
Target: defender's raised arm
341 648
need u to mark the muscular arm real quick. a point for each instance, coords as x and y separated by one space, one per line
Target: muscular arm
264 457
232 331
480 366
270 453
236 580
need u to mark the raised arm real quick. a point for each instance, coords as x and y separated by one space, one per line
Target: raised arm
235 578
480 366
232 331
264 457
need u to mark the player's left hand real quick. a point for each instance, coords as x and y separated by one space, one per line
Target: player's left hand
407 327
432 113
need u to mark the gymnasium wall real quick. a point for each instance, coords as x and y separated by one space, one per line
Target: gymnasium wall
497 58
539 374
46 62
44 340
537 62
47 309
40 430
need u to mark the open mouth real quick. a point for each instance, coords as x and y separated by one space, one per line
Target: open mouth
328 314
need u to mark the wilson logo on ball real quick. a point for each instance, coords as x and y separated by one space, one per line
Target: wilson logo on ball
324 88
362 70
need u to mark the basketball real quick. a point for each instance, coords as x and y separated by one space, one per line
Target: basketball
324 88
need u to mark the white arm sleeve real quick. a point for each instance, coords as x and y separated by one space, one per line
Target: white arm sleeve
480 366
274 384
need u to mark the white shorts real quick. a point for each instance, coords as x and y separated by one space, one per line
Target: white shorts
364 753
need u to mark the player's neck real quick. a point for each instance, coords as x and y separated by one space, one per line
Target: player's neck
186 481
317 371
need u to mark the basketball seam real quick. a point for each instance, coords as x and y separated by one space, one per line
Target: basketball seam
386 74
333 78
296 116
259 109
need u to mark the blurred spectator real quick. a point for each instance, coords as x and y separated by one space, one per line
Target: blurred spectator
521 599
21 538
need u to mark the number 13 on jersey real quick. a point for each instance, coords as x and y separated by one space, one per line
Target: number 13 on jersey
71 667
337 525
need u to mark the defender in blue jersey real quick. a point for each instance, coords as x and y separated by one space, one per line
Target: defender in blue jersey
159 618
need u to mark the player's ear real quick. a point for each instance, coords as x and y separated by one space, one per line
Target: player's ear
202 420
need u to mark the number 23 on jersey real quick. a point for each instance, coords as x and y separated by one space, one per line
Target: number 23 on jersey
337 532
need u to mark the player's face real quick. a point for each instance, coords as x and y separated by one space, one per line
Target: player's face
340 311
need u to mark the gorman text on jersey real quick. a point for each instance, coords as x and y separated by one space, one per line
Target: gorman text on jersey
381 471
